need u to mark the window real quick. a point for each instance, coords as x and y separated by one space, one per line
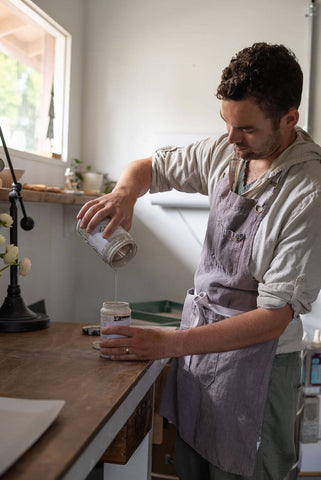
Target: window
34 79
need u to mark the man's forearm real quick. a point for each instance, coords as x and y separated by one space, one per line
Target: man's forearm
250 328
256 326
135 179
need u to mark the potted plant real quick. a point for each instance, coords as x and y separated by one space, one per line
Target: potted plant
88 180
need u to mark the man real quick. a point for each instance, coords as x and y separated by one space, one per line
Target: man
234 381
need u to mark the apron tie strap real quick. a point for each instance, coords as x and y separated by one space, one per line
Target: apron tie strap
202 300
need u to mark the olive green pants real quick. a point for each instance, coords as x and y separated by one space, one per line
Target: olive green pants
276 454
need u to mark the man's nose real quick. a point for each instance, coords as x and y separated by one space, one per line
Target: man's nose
234 135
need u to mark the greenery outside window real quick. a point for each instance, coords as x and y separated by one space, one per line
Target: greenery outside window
34 79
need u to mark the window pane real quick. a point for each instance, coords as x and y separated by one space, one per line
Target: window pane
31 100
20 104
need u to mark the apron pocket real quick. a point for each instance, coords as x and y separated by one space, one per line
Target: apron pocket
227 249
203 367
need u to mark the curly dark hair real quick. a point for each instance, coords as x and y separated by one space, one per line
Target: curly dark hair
270 74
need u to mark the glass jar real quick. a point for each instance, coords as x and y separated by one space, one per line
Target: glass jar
117 250
114 313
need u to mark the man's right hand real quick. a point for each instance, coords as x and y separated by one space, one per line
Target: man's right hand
118 205
112 205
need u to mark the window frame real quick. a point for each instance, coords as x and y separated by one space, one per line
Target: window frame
62 69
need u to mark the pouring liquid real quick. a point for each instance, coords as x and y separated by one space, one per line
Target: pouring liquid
116 285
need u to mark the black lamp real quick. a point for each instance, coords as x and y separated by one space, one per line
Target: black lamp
15 316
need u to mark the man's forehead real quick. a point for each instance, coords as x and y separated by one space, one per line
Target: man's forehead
241 113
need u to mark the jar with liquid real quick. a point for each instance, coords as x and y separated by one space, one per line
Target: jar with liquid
117 250
114 313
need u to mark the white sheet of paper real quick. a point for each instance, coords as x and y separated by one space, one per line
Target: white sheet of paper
22 422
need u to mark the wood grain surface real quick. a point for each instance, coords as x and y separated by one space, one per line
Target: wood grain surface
48 197
59 363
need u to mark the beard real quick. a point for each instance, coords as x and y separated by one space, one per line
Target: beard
270 148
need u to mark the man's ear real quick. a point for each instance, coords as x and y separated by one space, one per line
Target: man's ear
291 118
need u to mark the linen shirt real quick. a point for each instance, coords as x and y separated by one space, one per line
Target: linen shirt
286 253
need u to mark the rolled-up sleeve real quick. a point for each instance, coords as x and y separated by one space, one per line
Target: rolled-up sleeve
293 276
194 168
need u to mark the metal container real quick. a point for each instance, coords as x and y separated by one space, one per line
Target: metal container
117 250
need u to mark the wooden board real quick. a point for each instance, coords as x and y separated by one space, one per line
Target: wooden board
132 433
60 363
48 197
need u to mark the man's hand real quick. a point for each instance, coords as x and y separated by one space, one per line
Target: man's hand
118 205
140 343
113 205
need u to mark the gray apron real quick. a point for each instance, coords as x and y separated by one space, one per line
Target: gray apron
217 400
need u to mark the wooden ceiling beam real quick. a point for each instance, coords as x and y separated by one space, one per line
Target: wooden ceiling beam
11 25
16 49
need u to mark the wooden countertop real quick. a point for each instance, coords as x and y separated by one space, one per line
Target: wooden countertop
48 197
59 363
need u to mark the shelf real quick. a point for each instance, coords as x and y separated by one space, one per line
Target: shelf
48 197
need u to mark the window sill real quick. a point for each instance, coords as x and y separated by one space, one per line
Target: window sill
48 197
21 155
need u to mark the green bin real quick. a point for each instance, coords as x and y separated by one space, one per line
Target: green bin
164 312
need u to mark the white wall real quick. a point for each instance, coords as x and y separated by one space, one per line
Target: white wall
142 69
152 68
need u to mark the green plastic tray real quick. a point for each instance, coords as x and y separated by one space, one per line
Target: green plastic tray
164 312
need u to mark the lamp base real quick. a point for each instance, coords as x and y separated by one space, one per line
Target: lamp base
22 325
15 316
